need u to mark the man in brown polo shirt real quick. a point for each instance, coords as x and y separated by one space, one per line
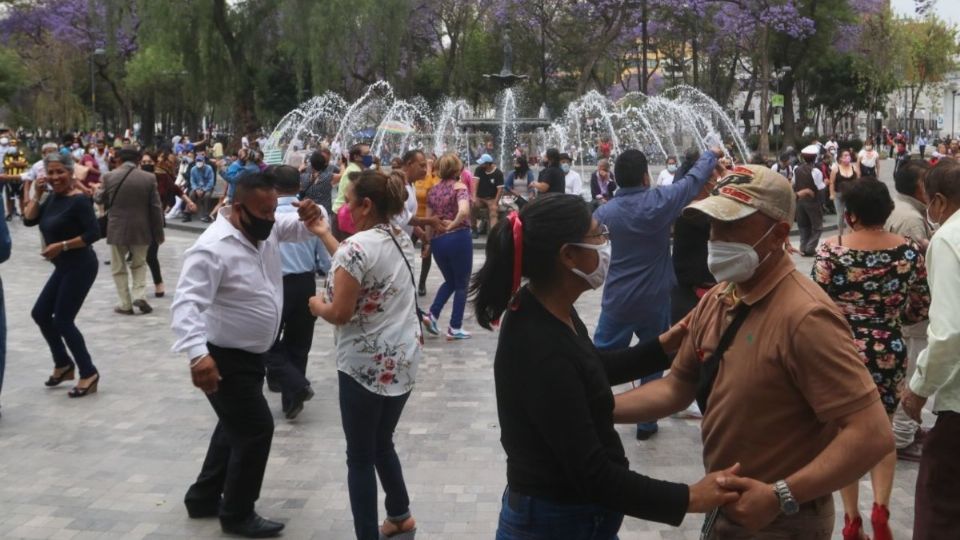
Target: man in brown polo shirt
792 401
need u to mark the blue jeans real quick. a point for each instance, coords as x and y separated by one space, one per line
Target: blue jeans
453 253
58 305
3 336
368 423
613 335
532 518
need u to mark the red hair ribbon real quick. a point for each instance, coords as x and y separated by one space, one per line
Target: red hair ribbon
517 227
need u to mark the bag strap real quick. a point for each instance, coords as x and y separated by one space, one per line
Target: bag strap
711 366
413 282
120 185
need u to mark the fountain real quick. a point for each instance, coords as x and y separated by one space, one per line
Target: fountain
680 118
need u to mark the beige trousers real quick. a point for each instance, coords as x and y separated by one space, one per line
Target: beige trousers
138 273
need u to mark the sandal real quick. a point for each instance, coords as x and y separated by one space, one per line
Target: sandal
400 534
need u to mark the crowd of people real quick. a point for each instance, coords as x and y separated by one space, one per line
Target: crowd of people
695 264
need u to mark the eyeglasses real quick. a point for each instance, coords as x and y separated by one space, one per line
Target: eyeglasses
604 233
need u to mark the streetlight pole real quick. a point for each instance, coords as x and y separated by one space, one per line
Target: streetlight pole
93 85
953 115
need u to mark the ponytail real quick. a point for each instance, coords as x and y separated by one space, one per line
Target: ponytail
526 244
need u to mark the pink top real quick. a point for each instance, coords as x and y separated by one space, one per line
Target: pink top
467 180
444 200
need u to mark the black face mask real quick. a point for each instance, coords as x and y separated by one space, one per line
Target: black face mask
258 228
148 168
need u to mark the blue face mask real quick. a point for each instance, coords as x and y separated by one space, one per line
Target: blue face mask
565 167
367 161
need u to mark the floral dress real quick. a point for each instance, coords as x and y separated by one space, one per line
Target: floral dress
878 292
380 346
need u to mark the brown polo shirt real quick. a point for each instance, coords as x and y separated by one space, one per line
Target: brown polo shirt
791 371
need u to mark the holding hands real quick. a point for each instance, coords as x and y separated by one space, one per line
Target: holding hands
749 503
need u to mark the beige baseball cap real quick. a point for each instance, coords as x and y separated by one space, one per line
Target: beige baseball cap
746 190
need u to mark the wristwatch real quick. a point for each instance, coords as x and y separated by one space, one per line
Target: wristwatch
788 504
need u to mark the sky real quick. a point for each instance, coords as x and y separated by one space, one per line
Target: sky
948 10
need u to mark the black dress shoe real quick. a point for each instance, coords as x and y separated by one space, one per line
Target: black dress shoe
253 526
200 512
295 408
143 306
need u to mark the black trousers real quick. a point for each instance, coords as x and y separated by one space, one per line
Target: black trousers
810 223
240 445
154 263
937 509
287 359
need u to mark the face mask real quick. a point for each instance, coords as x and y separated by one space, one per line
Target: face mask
733 262
565 167
258 228
148 168
77 154
367 161
845 160
596 278
4 141
671 168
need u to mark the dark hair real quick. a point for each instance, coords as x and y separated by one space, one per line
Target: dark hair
672 157
286 179
553 156
356 151
129 154
385 192
411 155
944 178
318 161
253 182
524 165
565 157
869 200
909 174
548 224
630 168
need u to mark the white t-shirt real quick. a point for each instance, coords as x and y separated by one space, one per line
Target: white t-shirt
402 220
574 183
868 159
380 346
665 178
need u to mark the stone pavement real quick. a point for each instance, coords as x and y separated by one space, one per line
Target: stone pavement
116 464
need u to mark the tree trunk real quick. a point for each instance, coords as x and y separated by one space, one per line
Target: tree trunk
763 144
148 121
696 61
644 46
788 126
243 95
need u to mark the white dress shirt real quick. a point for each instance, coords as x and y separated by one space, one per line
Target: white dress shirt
665 178
938 367
230 292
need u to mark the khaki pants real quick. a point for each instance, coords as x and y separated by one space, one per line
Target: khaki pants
138 272
904 427
490 207
814 521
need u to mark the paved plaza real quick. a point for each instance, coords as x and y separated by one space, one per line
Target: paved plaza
116 464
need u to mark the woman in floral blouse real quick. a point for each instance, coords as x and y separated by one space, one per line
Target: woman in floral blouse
879 282
370 297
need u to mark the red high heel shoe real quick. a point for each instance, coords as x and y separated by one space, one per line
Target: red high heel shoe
853 529
879 519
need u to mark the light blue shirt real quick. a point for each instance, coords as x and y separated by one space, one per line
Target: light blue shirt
641 273
302 257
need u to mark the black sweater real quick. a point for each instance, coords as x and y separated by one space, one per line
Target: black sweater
556 416
65 217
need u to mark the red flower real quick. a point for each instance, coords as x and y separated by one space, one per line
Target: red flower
369 307
386 377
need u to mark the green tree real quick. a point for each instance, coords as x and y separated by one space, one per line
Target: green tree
931 46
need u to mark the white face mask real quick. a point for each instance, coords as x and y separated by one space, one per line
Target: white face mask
671 168
596 278
4 141
934 225
733 262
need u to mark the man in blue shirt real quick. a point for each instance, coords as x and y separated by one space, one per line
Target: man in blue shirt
300 261
636 295
202 181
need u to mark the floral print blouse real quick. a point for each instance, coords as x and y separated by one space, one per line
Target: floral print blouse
381 345
444 200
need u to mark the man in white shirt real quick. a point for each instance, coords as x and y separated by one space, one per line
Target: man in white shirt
665 178
938 367
36 171
808 184
574 184
226 313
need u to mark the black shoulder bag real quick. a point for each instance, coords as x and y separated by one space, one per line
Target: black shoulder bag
711 366
104 220
413 282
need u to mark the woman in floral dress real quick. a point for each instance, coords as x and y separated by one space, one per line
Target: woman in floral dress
371 299
879 282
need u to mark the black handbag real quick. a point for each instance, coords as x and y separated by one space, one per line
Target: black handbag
711 366
104 220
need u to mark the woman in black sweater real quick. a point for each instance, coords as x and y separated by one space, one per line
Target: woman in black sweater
69 227
567 473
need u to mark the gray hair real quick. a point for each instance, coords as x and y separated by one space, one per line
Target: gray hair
64 159
604 164
49 146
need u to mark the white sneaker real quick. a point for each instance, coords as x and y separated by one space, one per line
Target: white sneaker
457 333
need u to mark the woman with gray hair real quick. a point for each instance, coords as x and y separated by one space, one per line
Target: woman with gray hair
69 228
